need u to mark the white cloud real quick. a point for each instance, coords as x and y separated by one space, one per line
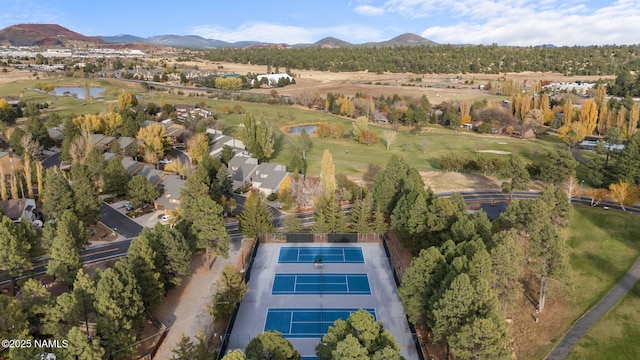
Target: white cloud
275 33
525 22
369 10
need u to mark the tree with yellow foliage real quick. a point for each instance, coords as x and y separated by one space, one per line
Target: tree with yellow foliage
624 193
111 121
3 184
567 112
632 124
198 146
588 116
91 122
327 175
154 142
126 100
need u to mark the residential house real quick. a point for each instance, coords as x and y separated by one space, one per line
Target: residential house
219 140
177 133
18 209
128 145
241 168
102 142
169 199
168 183
268 177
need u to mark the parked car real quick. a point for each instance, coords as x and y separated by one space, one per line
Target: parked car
165 217
128 206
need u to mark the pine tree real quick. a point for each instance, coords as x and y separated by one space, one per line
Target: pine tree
116 178
120 310
141 260
256 216
86 198
140 191
82 348
361 215
64 261
211 234
257 136
271 345
195 188
14 250
230 290
292 223
379 222
56 195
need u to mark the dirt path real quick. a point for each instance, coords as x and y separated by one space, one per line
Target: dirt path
184 310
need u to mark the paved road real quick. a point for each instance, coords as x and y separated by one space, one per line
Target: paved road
119 222
565 345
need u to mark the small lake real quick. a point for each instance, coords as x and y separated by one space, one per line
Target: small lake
78 92
298 129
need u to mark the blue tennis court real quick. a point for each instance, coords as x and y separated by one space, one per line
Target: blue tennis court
306 322
337 254
353 284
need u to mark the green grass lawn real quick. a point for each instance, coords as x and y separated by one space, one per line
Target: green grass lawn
617 335
604 244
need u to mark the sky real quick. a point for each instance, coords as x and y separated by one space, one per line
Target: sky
503 22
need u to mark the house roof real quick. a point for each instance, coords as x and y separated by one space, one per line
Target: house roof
14 208
241 167
269 176
154 176
55 133
125 141
171 186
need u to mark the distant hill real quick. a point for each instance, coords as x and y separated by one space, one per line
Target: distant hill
56 35
406 39
43 35
122 39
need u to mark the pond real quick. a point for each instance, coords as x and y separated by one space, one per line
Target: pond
298 129
77 92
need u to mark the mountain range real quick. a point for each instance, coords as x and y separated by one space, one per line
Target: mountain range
56 35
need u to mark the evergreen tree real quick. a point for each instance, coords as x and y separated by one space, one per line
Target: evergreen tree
116 178
13 321
292 223
271 345
361 215
35 301
359 335
224 182
57 195
62 316
209 229
140 191
230 290
517 173
84 289
64 261
86 198
172 254
256 216
141 261
185 349
329 216
195 188
379 222
14 250
96 165
120 310
82 348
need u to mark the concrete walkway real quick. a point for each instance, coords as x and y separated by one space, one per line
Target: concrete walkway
570 339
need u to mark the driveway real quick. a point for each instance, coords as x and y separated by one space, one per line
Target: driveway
119 222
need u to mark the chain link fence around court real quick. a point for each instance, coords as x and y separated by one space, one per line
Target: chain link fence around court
316 238
323 238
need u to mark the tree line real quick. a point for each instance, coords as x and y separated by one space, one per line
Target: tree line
443 59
